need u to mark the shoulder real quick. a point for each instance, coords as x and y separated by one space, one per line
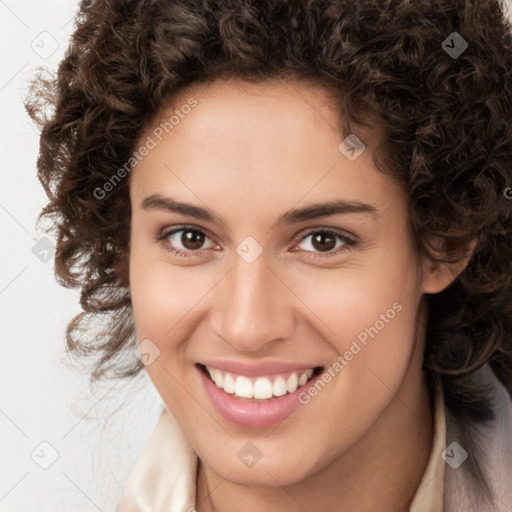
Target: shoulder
164 477
492 450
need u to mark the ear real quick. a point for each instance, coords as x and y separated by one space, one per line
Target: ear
438 276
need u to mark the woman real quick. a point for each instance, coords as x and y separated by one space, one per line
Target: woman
299 211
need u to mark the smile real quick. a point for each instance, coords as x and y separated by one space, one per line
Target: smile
256 395
260 388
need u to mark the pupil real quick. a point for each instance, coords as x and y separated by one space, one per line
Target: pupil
320 240
192 239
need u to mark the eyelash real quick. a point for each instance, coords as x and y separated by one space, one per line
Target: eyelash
348 242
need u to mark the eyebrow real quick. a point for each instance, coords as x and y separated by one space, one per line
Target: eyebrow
313 211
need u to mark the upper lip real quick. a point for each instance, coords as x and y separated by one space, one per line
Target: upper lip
253 369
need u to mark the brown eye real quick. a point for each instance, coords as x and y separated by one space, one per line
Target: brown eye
192 239
323 241
186 241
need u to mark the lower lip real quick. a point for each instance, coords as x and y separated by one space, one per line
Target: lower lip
253 414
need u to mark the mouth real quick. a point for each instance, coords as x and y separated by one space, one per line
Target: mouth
264 388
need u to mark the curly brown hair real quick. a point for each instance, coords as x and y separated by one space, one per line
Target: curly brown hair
447 137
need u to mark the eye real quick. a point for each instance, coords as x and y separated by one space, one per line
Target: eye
325 241
185 241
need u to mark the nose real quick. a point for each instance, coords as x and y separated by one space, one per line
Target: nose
253 306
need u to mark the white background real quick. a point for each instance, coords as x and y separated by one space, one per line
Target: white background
97 433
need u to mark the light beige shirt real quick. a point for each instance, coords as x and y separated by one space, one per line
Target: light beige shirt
164 478
430 494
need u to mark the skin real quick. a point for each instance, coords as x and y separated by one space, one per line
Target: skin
249 153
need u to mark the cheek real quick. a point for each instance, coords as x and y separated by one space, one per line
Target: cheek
367 316
347 301
163 300
161 296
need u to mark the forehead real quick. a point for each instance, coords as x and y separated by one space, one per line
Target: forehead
256 144
252 113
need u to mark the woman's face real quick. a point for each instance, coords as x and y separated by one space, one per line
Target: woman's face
292 256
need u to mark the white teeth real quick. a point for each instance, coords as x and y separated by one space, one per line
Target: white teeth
304 377
279 387
243 387
218 378
229 384
263 387
292 383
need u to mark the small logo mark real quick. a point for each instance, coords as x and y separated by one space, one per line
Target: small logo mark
44 454
351 147
249 455
249 249
44 45
146 352
508 193
454 45
454 455
44 249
